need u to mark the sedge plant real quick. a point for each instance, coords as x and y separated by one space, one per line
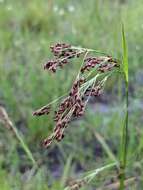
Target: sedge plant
95 70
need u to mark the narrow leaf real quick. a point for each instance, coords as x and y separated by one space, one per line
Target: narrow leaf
125 54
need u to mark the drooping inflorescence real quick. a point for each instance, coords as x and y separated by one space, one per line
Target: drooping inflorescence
85 85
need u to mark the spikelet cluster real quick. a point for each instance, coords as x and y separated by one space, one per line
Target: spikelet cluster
74 104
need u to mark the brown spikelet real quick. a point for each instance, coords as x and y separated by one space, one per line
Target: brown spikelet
63 53
45 110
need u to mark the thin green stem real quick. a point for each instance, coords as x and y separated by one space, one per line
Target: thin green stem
126 126
92 174
90 50
23 144
124 144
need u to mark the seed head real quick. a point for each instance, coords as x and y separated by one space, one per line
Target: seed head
42 111
73 106
62 54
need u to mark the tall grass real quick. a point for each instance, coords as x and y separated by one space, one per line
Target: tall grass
125 123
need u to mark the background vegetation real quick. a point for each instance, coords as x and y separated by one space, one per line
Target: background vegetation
27 29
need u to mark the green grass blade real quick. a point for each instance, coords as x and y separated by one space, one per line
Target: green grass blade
104 145
125 54
6 121
24 145
91 176
125 124
66 170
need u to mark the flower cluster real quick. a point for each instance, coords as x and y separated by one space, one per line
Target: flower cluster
94 91
73 106
90 63
103 64
62 54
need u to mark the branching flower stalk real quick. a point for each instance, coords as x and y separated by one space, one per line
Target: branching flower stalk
91 78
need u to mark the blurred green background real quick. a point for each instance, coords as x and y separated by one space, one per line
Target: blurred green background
27 29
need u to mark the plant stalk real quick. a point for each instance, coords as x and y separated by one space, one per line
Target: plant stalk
124 144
